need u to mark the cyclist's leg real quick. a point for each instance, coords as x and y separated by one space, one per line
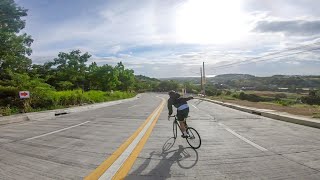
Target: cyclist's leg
182 116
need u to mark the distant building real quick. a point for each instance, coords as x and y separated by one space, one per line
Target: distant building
283 89
248 88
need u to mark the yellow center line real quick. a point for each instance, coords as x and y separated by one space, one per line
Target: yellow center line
127 165
97 173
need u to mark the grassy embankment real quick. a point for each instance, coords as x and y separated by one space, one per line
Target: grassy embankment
279 101
61 99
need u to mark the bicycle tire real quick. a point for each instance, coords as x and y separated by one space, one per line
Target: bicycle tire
174 128
194 139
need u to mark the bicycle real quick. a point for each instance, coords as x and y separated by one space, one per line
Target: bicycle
193 137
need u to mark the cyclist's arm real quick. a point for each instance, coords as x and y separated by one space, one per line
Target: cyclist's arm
187 99
170 106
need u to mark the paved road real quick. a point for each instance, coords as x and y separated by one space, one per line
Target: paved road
235 145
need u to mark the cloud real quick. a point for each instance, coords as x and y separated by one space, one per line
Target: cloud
291 27
144 35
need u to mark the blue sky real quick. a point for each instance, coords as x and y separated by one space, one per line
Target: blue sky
164 38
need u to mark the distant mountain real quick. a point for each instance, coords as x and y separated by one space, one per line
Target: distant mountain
195 80
145 78
228 77
246 80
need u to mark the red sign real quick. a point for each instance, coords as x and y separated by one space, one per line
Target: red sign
24 94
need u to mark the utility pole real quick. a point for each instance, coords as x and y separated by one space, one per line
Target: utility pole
201 80
204 80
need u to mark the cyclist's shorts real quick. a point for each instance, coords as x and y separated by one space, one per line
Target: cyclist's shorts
183 114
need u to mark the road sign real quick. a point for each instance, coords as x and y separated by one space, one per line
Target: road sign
24 94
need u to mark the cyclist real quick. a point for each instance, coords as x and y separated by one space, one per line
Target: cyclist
182 109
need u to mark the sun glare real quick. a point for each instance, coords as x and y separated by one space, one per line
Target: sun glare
211 21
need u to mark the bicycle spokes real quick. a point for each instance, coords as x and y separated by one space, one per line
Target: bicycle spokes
194 139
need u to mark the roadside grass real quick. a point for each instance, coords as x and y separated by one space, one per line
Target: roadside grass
316 115
286 102
51 100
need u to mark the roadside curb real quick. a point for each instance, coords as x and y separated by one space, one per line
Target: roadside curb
270 114
51 114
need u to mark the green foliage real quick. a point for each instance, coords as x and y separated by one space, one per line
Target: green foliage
238 81
212 91
191 88
5 111
104 77
253 97
11 14
280 96
168 85
143 83
65 85
126 77
227 93
59 99
77 97
312 98
39 90
285 102
316 115
68 72
13 47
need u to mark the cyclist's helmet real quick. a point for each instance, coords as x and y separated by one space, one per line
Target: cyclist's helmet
174 94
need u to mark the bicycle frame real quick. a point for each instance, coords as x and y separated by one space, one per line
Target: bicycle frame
178 123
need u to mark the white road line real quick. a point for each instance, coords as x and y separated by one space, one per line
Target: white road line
132 106
194 106
35 137
243 138
113 169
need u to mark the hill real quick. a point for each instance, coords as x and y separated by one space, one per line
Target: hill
259 83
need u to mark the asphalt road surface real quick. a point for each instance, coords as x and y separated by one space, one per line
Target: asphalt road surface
134 140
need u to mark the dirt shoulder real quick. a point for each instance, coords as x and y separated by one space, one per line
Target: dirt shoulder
303 110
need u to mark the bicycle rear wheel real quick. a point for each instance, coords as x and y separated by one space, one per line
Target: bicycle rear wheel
175 129
193 138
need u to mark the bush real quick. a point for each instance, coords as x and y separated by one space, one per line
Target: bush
285 103
228 93
250 97
8 95
5 111
313 98
43 98
280 95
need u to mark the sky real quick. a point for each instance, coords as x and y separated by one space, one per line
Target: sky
171 38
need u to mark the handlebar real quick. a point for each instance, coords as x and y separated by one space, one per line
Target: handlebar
171 116
175 116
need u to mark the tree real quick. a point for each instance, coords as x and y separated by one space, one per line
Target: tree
168 86
191 88
103 77
13 47
126 77
70 69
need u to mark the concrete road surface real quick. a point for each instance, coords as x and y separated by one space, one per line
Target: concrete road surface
134 140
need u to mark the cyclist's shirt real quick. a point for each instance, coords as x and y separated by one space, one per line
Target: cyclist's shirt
180 103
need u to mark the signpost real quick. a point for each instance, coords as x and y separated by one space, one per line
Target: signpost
24 94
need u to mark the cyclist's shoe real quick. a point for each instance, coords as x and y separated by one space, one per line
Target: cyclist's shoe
184 136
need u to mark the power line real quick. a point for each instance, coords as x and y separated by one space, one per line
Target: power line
272 54
300 52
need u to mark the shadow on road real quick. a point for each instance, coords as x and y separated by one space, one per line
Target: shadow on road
158 165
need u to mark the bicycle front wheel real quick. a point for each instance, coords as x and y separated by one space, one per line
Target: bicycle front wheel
193 138
175 124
